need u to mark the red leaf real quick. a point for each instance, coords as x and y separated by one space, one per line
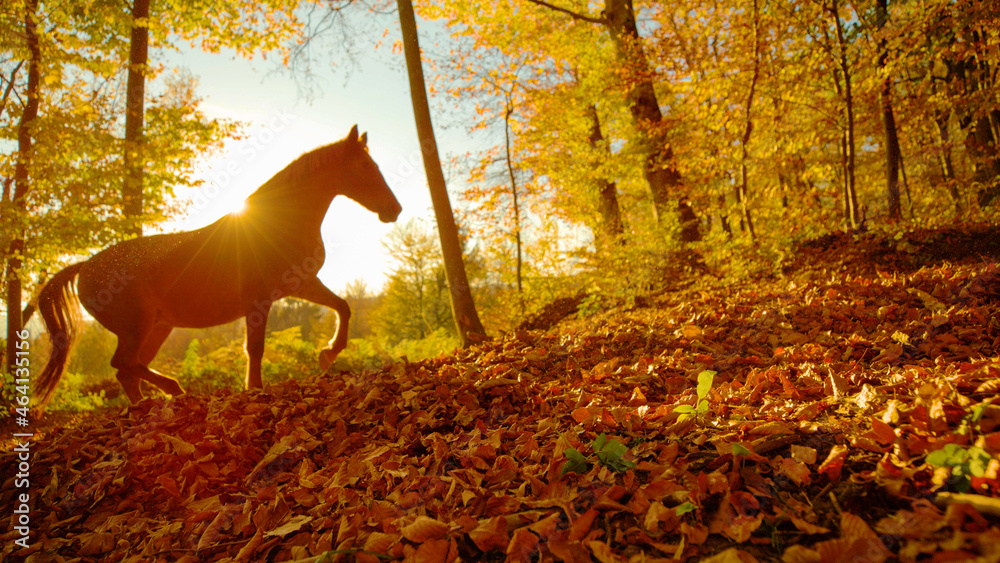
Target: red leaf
435 551
168 483
603 552
425 529
491 534
834 463
578 530
523 544
883 432
798 472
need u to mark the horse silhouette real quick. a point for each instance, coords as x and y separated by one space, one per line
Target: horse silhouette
236 267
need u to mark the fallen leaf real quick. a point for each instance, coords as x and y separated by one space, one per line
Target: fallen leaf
834 463
435 551
491 534
247 552
522 546
424 529
292 525
731 555
803 454
602 552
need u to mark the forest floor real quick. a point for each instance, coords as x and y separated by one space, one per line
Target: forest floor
853 415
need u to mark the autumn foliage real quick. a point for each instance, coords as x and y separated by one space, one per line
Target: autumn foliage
687 363
732 128
852 414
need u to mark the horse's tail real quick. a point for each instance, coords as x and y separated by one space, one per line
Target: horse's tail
60 309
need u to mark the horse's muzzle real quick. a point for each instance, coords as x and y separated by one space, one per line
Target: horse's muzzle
389 216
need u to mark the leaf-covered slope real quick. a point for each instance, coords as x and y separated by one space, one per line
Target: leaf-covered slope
832 386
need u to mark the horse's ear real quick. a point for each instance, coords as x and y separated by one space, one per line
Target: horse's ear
363 139
352 137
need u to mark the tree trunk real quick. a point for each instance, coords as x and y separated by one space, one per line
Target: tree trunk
982 147
724 217
974 76
690 232
846 188
607 192
470 328
659 166
741 193
517 207
839 89
980 142
892 155
945 161
983 136
21 183
850 195
891 145
134 113
906 183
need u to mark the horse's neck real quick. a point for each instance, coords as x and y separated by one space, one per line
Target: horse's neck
264 233
297 207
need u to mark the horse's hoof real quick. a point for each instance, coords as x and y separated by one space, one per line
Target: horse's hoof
326 359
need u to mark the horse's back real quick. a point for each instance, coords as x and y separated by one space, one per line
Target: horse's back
199 278
117 268
165 278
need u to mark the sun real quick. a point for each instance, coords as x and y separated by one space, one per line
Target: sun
237 207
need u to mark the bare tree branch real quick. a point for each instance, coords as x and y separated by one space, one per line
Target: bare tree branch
10 86
571 13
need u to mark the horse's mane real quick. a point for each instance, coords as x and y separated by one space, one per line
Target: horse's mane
304 166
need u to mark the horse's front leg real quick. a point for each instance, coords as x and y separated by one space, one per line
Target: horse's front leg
256 324
313 290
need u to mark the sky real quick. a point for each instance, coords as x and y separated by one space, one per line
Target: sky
283 124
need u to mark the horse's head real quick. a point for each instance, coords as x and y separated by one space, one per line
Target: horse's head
362 180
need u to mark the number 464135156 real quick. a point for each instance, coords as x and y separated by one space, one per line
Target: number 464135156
22 372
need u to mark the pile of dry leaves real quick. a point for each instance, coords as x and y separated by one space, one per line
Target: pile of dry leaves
853 415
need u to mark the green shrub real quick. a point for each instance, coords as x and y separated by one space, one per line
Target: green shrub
78 392
436 343
287 355
221 368
362 354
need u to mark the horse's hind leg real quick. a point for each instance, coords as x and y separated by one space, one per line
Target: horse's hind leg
135 349
150 346
126 361
153 342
